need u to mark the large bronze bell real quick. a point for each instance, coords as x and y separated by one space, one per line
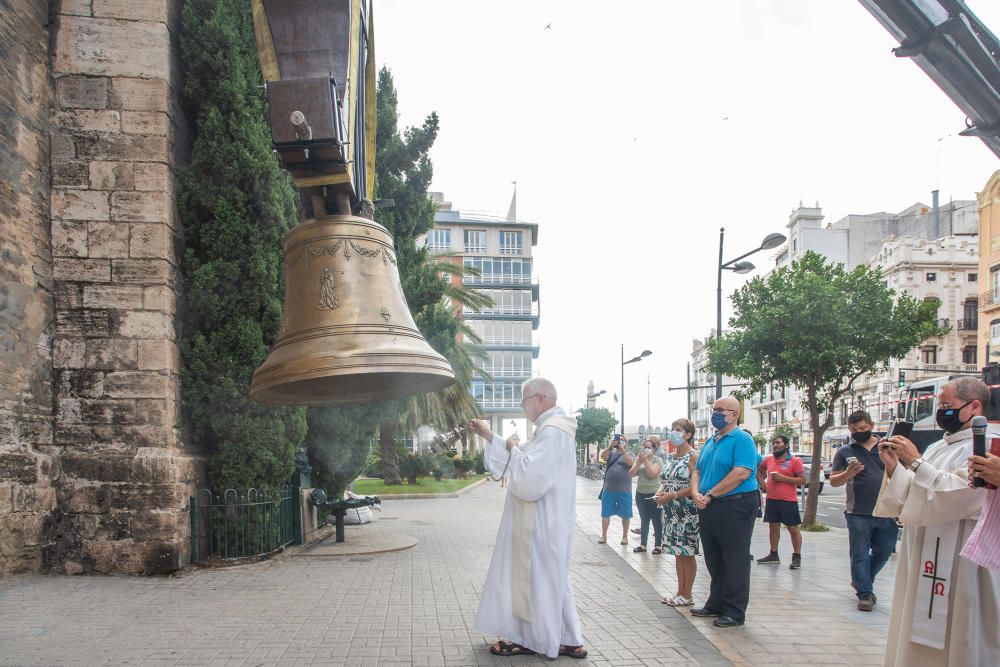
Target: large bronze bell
347 333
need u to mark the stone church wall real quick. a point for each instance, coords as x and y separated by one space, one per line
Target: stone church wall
111 471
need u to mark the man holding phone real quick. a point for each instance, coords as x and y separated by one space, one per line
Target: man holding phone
616 498
871 538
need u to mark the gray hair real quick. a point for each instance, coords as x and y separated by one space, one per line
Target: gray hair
540 385
972 389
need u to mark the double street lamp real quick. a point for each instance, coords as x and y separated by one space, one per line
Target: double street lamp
736 266
642 355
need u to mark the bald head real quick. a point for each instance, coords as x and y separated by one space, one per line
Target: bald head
729 408
538 395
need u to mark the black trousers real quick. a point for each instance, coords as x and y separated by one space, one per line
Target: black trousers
726 526
648 511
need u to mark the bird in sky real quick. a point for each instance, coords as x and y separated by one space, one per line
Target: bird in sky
548 27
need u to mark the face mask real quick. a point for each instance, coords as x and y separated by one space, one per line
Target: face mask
948 419
677 438
719 420
778 453
861 437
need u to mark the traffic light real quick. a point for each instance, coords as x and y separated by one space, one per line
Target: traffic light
902 379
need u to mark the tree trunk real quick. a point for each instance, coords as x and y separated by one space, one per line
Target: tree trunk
816 469
387 446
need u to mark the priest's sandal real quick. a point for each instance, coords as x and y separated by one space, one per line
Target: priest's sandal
573 651
506 648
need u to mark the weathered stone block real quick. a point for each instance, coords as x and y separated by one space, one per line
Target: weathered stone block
151 241
152 176
74 7
134 10
36 498
68 353
157 465
120 297
63 146
136 384
90 120
86 323
156 524
82 270
161 298
98 466
111 175
156 411
19 467
70 174
140 94
157 355
107 239
76 383
107 411
68 412
140 206
142 271
145 324
80 205
109 47
68 295
145 122
71 567
143 435
69 239
111 354
83 91
120 147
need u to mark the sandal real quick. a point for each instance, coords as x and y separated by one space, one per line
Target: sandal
507 649
573 651
656 551
624 541
680 601
639 549
603 540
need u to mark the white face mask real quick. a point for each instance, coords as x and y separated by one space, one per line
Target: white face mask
676 437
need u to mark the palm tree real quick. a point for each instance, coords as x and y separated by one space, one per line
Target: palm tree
441 324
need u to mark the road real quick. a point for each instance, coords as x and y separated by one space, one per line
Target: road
831 506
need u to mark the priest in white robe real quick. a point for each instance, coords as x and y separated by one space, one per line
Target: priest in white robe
527 600
945 609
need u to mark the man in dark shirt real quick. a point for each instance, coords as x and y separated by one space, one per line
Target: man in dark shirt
872 538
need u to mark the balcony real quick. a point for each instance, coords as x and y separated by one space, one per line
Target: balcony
968 325
497 373
989 299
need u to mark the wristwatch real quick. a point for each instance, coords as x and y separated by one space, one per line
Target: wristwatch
710 495
916 464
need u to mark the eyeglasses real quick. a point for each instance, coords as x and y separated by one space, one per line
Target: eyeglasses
529 396
721 411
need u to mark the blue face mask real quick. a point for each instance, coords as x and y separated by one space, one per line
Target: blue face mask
676 437
719 420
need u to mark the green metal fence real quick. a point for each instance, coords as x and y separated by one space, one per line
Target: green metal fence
232 526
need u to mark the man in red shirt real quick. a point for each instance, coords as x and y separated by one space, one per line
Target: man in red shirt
781 473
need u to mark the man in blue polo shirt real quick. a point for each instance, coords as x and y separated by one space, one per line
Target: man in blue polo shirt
727 499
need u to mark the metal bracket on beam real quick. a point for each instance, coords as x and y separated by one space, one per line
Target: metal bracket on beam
916 46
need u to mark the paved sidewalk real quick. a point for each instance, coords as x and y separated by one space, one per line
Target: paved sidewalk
415 607
806 616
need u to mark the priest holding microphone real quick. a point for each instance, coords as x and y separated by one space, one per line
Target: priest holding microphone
944 607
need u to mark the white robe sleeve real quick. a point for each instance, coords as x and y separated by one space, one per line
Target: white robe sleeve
928 497
533 468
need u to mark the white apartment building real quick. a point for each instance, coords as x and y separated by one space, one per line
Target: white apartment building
500 249
703 396
925 255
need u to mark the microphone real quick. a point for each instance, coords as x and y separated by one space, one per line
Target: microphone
979 443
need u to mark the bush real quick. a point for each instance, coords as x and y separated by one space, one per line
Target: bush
463 466
412 466
480 466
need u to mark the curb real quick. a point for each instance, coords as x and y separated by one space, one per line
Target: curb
426 496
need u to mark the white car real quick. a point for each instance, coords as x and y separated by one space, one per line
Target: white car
807 464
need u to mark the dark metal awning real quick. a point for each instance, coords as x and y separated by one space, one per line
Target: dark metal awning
953 47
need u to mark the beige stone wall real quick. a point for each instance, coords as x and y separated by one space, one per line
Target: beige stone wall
124 472
27 496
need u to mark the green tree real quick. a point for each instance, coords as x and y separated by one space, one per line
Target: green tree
788 431
820 327
235 204
594 425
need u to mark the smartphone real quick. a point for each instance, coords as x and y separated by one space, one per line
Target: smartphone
851 460
900 428
618 437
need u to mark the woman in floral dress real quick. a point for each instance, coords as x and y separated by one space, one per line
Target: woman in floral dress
680 517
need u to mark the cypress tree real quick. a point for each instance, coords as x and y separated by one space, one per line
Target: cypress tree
236 204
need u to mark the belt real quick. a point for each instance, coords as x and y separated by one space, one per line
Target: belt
734 496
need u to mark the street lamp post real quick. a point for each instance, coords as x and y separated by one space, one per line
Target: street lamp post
642 355
736 266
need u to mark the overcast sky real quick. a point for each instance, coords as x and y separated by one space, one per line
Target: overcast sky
635 130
